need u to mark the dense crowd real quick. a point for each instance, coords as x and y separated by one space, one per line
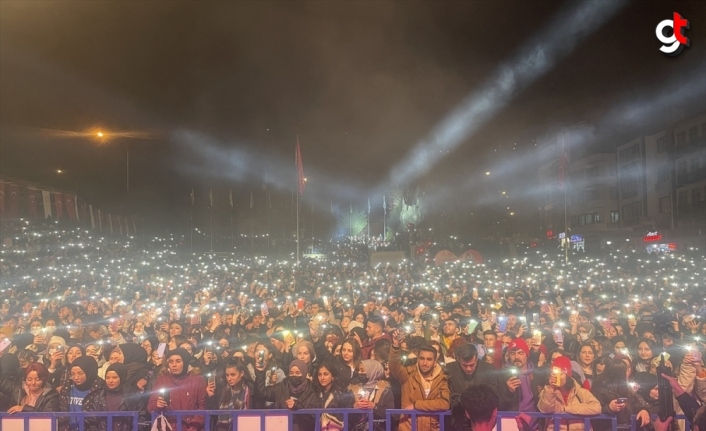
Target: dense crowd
102 324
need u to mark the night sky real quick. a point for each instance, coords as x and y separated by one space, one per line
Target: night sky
360 83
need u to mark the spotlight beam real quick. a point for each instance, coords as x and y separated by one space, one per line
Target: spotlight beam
532 61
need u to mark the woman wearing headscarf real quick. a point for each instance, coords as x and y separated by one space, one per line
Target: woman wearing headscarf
83 382
177 389
134 357
115 396
62 375
295 392
373 393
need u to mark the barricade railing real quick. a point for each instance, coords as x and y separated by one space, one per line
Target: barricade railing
48 421
282 419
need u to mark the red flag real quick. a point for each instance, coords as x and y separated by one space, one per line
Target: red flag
58 201
70 206
14 205
34 196
2 198
300 168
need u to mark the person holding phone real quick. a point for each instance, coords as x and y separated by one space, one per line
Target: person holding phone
233 391
612 390
177 389
521 389
563 394
293 393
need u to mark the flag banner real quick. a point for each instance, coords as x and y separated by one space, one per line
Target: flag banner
230 198
368 205
46 201
14 204
33 197
58 202
93 219
69 206
110 220
300 168
2 198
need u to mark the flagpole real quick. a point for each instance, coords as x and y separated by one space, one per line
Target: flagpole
191 226
297 230
211 227
384 217
567 238
232 239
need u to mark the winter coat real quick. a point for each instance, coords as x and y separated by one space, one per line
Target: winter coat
485 373
185 393
578 402
413 393
65 396
279 394
132 402
48 400
607 393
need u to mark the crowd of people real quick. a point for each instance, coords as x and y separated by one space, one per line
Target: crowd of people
98 324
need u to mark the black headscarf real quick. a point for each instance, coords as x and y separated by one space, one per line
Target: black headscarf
121 371
89 367
135 361
185 357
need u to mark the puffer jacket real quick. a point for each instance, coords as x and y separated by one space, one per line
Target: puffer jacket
132 402
65 396
413 393
48 400
578 402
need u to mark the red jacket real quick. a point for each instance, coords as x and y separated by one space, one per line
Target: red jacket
186 393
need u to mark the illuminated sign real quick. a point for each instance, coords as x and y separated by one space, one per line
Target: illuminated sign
576 238
652 236
562 235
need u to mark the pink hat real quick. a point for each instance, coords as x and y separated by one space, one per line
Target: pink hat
518 343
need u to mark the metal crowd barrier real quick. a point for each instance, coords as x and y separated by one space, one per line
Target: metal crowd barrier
278 418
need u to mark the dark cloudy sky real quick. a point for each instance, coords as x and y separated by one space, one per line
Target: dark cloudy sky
360 83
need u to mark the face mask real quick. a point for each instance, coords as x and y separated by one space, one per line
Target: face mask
139 334
296 380
362 378
51 329
35 331
584 337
